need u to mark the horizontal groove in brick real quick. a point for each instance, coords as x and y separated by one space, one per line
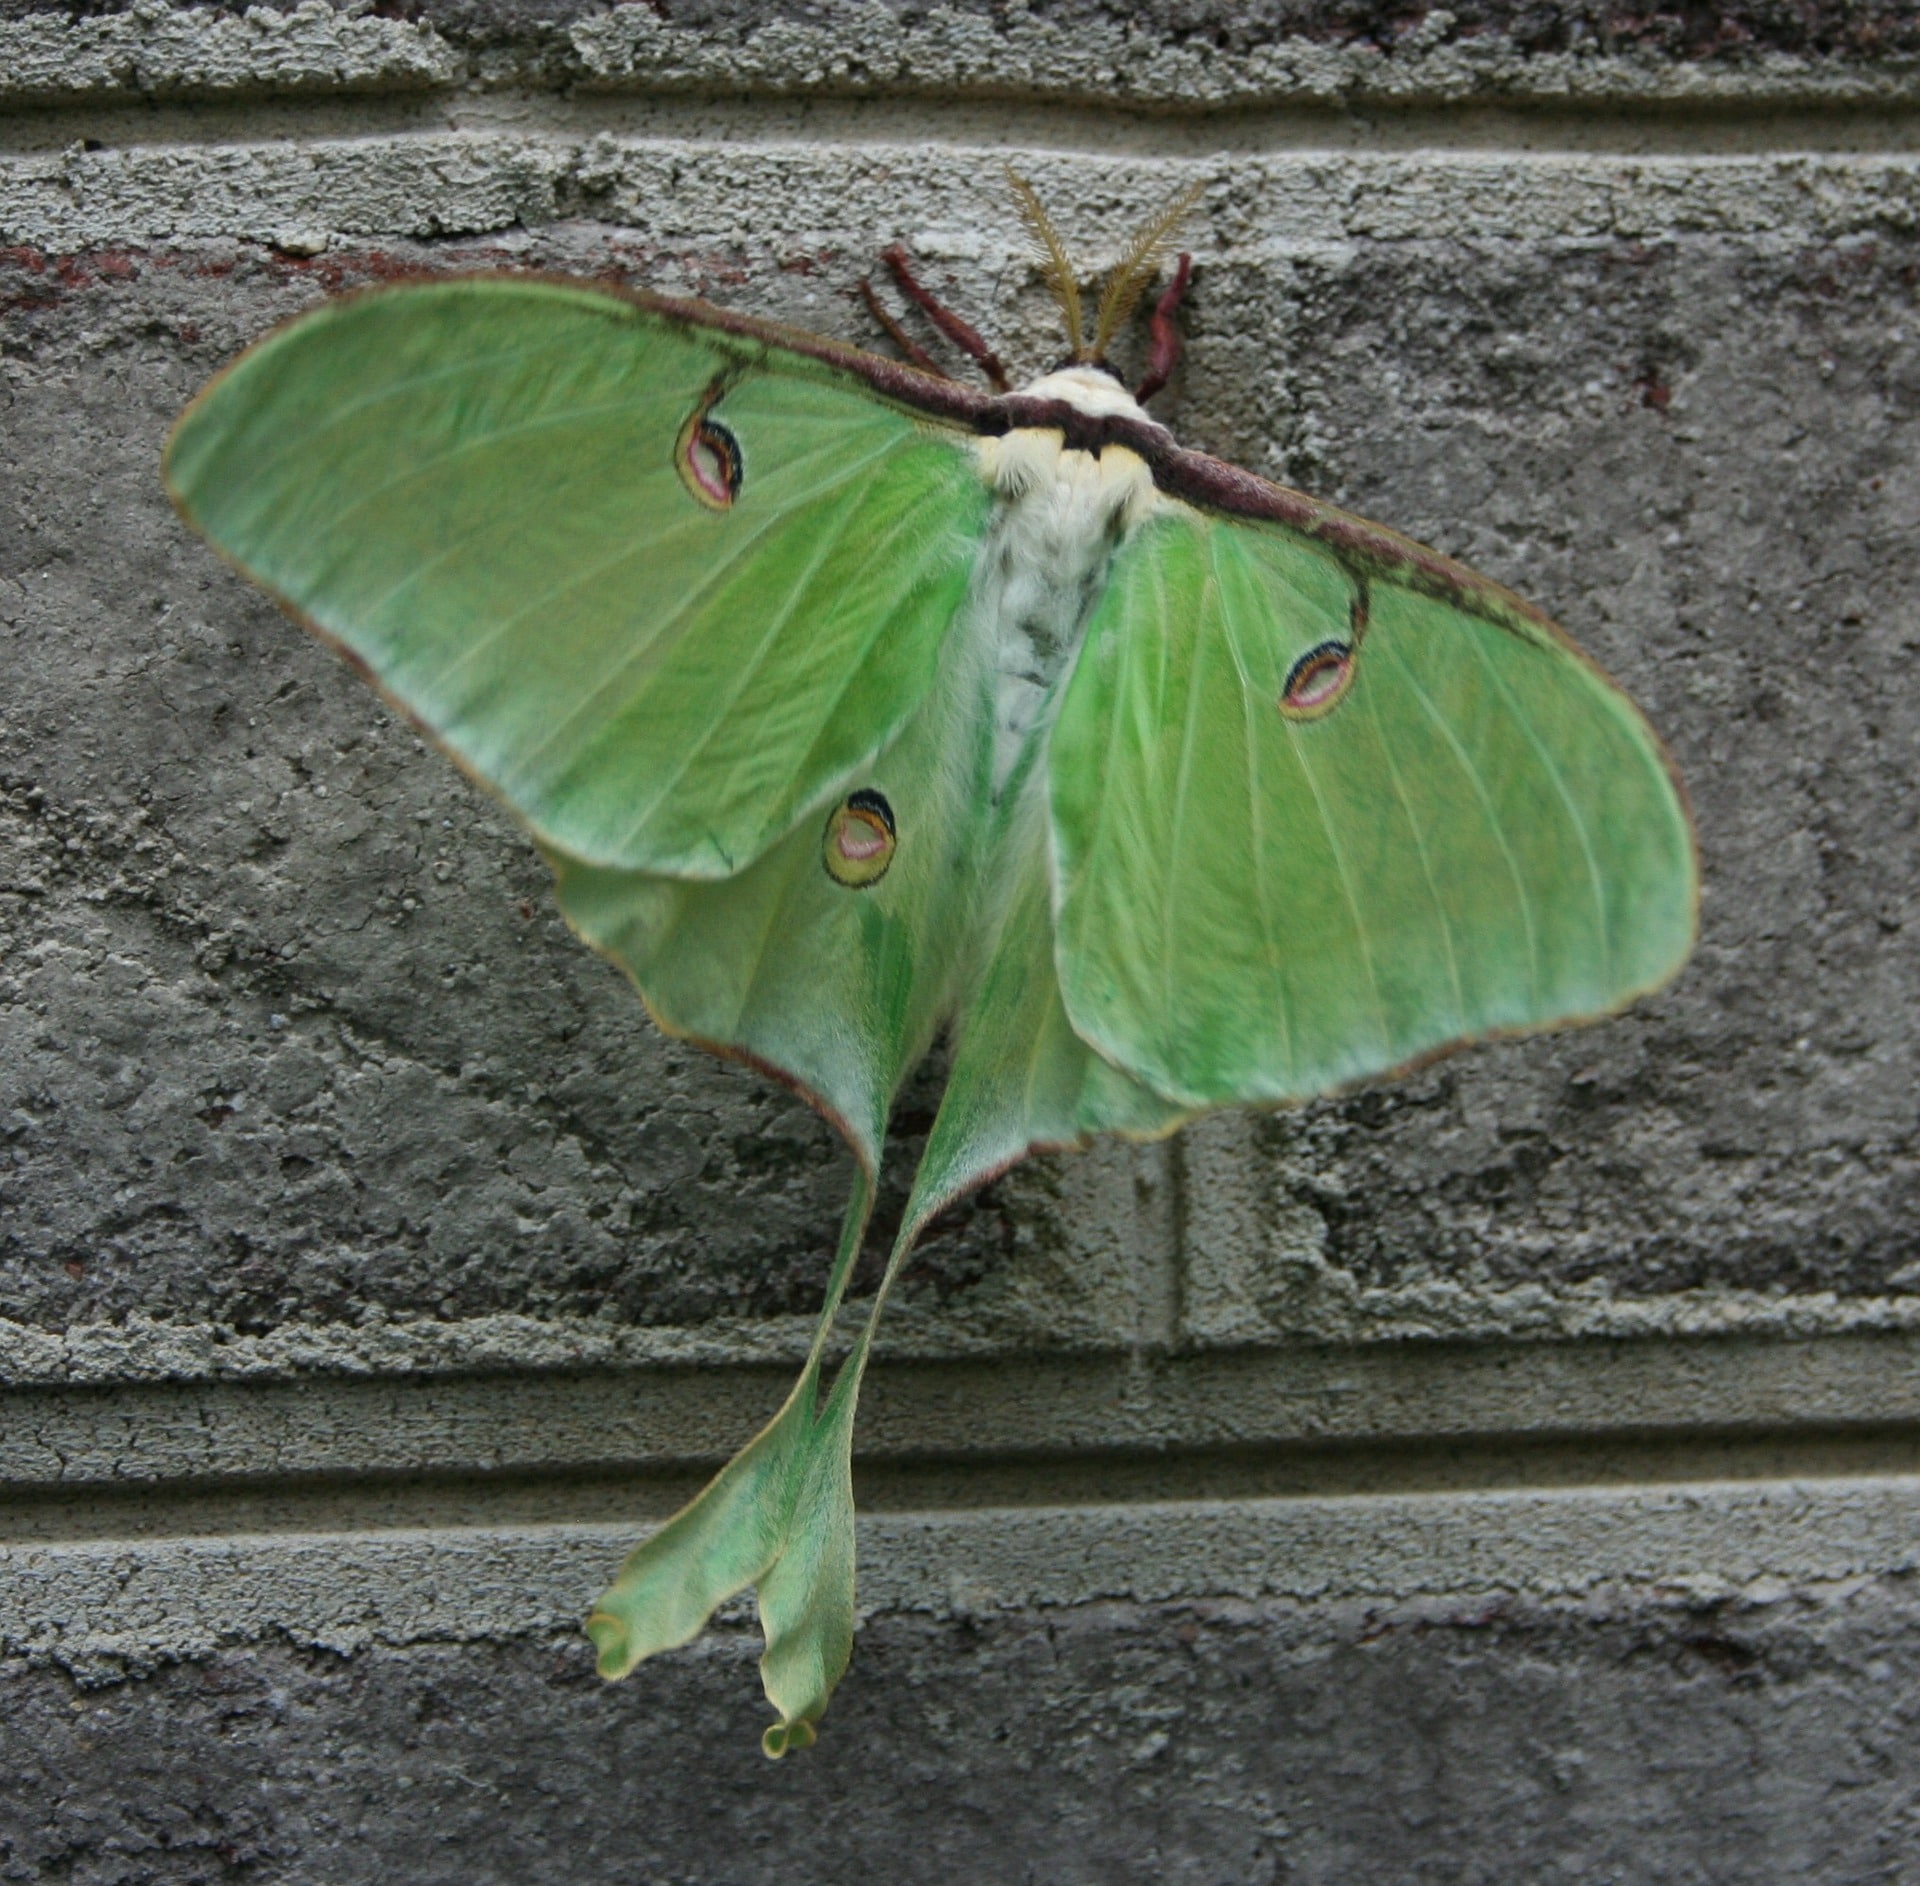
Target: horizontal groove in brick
871 50
1278 1420
964 125
113 1601
319 196
438 1501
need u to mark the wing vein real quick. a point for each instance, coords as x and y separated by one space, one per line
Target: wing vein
716 574
1426 861
1575 816
884 620
1522 895
1282 999
829 542
338 416
1210 593
1343 869
498 435
505 625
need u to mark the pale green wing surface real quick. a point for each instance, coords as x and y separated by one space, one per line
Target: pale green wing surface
682 597
1021 1079
780 1515
1276 874
842 989
839 989
663 587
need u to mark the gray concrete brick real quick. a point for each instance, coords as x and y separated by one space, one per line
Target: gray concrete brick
1469 1742
1169 56
103 1607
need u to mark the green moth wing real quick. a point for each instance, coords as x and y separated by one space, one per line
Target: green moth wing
682 596
837 989
1313 823
779 1515
662 587
1021 1078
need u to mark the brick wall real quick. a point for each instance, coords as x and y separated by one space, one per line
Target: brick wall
1504 1475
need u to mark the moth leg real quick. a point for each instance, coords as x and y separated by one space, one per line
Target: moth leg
1164 355
914 352
961 333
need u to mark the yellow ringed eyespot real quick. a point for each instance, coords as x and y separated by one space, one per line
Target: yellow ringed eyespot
1315 682
708 458
859 842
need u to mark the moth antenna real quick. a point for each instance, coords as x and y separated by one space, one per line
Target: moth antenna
1051 253
1137 264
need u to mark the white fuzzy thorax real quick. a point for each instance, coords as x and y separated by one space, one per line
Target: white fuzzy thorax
1044 562
1089 389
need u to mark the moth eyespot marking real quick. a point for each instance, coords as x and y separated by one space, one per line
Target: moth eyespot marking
858 845
708 459
1317 681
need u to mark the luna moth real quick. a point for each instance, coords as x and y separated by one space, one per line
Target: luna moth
853 706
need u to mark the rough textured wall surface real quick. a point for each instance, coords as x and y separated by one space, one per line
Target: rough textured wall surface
1225 1742
1504 1474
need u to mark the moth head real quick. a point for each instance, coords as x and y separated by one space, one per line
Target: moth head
1088 366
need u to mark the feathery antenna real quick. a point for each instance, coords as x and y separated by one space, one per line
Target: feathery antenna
1136 267
1051 253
